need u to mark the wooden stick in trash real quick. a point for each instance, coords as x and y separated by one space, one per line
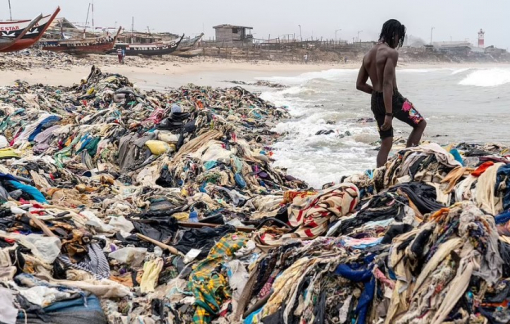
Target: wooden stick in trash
40 224
200 225
171 249
239 228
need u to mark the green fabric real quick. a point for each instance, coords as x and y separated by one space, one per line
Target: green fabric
91 147
209 287
65 152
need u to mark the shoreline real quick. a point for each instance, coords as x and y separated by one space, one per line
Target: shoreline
157 74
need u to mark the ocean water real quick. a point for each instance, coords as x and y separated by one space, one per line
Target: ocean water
460 105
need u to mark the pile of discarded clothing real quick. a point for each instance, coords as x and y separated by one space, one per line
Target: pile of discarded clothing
122 206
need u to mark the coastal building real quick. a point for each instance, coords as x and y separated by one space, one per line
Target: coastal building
455 47
230 33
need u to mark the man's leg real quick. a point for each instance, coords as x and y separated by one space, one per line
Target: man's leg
382 156
415 136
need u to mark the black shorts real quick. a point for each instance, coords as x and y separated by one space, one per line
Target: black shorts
403 110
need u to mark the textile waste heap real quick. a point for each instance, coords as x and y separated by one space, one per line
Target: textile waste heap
163 207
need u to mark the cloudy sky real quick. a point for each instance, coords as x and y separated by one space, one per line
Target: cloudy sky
452 19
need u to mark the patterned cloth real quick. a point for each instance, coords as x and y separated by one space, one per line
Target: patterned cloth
209 286
312 213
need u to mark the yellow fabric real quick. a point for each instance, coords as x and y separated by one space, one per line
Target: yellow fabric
151 270
485 191
157 147
181 216
8 153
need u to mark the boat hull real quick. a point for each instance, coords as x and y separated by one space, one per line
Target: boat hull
147 49
77 48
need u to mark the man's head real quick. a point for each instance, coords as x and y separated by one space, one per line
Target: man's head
393 33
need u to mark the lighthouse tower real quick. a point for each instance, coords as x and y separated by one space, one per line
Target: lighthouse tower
481 38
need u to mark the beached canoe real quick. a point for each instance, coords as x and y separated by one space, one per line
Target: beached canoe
99 45
30 33
148 49
189 53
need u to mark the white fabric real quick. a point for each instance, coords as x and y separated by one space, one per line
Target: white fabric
8 312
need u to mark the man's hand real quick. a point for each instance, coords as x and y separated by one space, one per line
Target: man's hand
387 123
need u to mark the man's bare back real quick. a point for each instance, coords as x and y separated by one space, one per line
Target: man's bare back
375 62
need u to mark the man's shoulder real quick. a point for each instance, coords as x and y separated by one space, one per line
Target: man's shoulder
388 52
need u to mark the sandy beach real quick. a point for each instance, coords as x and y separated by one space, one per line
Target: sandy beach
174 72
156 74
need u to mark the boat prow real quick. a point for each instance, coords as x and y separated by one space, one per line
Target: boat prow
6 41
29 31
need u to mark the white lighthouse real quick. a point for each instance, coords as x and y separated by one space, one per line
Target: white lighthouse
481 38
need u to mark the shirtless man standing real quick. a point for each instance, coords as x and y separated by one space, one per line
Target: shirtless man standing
379 65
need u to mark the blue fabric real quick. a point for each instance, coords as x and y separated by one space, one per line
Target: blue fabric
240 181
457 156
81 310
362 246
84 143
503 174
354 275
5 176
364 300
364 274
249 318
46 123
502 218
210 164
78 304
32 191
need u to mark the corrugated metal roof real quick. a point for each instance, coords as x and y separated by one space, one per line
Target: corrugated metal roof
231 26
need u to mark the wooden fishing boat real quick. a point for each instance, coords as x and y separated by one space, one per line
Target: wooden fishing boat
98 45
148 49
13 29
189 44
6 41
189 53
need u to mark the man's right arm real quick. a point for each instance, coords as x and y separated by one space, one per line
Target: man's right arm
388 80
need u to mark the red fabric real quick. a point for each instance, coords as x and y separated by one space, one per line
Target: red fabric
481 169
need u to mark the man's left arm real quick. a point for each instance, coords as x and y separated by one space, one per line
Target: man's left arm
361 83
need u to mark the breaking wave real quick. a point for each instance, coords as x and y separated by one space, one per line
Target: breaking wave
487 78
457 71
333 74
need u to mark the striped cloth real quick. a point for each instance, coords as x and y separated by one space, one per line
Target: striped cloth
96 262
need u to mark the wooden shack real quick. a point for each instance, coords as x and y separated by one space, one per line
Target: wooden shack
229 33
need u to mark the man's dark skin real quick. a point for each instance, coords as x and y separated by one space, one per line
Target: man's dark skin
379 65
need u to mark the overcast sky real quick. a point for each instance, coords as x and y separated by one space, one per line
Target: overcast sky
452 19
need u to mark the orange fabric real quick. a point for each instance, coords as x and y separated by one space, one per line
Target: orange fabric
438 215
289 196
481 169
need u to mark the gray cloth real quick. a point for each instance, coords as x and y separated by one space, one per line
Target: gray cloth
131 149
